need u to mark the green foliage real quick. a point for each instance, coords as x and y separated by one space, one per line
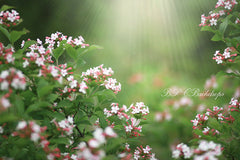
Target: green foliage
47 110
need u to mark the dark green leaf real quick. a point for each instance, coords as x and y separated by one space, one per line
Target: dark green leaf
43 88
52 97
59 51
59 140
15 35
65 103
7 117
37 106
5 7
19 104
5 32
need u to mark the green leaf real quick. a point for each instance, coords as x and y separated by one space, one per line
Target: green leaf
52 97
57 115
224 24
15 35
113 144
43 88
59 51
5 7
37 106
217 37
208 28
65 103
80 62
7 117
5 32
19 104
71 51
59 140
213 123
84 122
234 32
82 51
102 121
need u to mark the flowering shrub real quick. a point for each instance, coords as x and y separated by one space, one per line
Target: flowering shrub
216 130
49 111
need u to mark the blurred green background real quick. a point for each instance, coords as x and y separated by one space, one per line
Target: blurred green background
150 44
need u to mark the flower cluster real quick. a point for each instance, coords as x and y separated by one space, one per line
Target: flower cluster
234 105
199 121
91 149
101 75
4 102
182 150
226 56
217 113
65 125
12 79
224 6
37 54
144 153
9 18
54 40
205 150
44 99
29 129
75 85
138 110
6 54
133 128
115 110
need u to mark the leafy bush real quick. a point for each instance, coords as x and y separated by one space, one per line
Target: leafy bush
216 131
50 111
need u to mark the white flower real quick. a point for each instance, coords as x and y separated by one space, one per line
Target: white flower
226 54
10 58
73 84
35 137
25 63
98 135
128 128
54 71
114 109
36 128
4 74
109 132
93 143
21 125
203 146
219 59
233 102
213 21
39 61
64 72
4 85
1 129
